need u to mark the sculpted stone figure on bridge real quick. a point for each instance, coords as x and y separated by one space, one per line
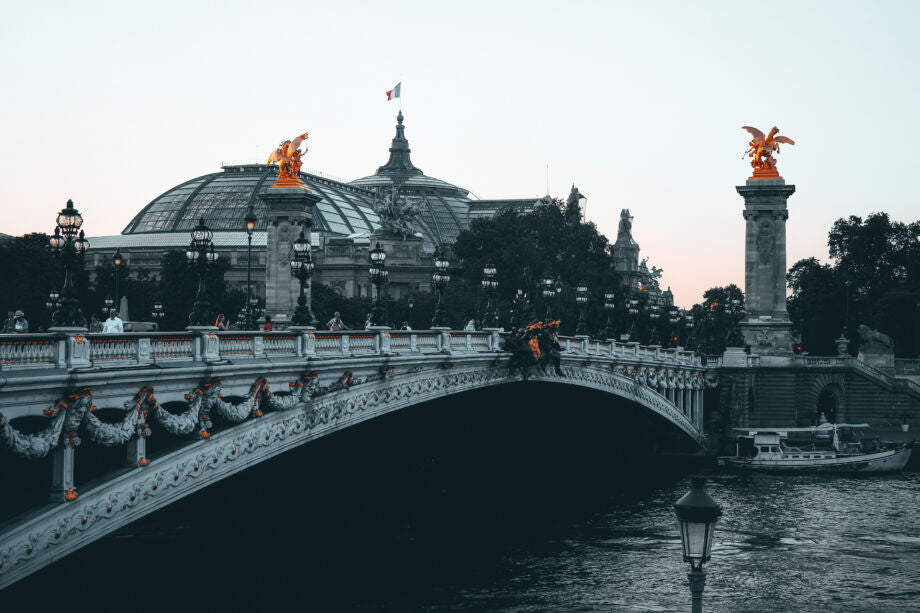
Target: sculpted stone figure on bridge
876 348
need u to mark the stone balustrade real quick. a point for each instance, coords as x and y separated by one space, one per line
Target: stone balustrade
50 351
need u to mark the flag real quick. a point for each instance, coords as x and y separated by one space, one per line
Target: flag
394 93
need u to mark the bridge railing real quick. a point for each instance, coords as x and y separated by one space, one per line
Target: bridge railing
78 349
617 349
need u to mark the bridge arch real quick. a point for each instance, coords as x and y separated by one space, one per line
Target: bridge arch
363 375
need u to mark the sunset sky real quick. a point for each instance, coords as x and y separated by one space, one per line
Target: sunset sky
639 104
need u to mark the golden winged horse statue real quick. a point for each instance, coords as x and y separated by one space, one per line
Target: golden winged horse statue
761 148
287 156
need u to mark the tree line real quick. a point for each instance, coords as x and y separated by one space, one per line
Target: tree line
873 278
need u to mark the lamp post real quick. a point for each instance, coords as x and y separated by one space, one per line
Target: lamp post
609 306
632 313
697 515
53 301
378 276
548 284
581 298
687 318
250 221
674 321
411 302
489 284
158 313
439 281
201 254
302 270
69 243
654 315
116 264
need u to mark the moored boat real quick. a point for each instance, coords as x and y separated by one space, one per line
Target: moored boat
769 449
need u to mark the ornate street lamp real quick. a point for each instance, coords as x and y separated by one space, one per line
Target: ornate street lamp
689 328
378 275
674 321
250 222
632 312
53 301
302 270
697 515
70 244
548 289
116 264
411 302
439 281
158 313
201 253
518 302
654 315
489 284
609 306
254 310
581 297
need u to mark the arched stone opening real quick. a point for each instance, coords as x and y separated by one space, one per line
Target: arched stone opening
828 403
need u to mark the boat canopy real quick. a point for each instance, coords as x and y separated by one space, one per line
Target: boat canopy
823 428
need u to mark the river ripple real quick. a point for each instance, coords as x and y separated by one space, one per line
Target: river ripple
784 543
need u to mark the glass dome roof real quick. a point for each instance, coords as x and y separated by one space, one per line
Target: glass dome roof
222 199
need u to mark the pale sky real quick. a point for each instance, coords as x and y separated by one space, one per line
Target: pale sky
638 103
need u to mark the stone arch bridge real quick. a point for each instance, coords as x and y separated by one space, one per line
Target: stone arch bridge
238 398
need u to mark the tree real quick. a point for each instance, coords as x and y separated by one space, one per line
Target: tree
29 272
876 270
816 305
523 248
714 323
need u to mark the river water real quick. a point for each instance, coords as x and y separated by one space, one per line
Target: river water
469 508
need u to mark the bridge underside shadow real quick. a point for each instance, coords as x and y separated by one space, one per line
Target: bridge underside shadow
361 517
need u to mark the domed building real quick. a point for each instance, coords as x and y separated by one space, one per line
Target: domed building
344 220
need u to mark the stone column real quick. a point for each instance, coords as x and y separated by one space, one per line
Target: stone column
699 409
62 486
766 327
287 210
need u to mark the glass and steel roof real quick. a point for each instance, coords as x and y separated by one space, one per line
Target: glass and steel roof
223 198
346 209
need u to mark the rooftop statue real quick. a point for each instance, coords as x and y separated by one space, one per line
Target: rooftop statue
625 229
574 197
287 156
761 148
396 216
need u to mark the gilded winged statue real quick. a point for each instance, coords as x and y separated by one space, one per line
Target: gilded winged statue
287 156
762 147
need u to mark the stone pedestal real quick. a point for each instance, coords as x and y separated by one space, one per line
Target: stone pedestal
72 348
207 344
766 327
843 345
288 209
734 357
879 360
